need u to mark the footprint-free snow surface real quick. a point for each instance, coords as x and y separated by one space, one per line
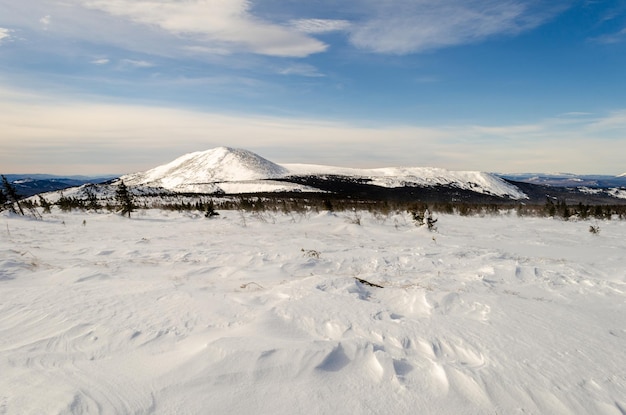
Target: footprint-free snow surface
171 313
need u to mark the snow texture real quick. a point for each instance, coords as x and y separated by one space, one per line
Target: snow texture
241 171
172 313
615 192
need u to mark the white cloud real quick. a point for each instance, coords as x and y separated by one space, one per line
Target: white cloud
320 25
409 26
45 21
611 38
214 22
301 69
4 34
100 61
207 50
615 121
210 29
137 63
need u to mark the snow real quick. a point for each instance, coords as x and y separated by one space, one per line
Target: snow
170 312
615 191
417 176
221 164
216 169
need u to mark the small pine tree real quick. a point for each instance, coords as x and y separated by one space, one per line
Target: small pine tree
210 210
550 208
65 203
92 200
3 200
564 210
125 199
44 204
11 195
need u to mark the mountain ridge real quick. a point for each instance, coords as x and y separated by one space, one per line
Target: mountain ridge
220 167
231 171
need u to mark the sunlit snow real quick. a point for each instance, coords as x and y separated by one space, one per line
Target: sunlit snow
173 313
217 169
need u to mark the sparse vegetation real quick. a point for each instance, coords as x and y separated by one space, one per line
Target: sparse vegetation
264 207
210 210
311 253
10 196
45 205
422 216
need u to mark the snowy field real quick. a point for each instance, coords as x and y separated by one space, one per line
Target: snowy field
167 313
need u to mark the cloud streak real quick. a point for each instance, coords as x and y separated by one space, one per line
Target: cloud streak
415 26
4 34
214 21
45 134
223 27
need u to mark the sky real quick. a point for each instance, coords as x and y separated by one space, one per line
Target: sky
118 86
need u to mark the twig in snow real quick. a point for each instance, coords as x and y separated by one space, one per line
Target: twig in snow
246 285
371 284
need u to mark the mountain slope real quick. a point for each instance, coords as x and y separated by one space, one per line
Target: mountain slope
229 170
221 164
394 177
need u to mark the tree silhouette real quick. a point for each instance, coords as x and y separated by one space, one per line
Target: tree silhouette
125 199
11 196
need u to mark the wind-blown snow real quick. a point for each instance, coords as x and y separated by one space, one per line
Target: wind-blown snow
172 313
227 169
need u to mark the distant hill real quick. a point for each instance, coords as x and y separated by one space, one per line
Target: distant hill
230 171
568 180
31 184
225 170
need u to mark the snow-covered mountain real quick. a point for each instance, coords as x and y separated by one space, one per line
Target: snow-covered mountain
229 170
217 165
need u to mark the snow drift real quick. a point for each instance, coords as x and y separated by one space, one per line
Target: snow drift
171 313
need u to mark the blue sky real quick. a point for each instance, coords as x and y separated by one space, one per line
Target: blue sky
117 86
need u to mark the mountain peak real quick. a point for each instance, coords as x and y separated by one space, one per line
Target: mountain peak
222 168
220 164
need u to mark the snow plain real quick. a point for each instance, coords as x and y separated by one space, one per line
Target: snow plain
172 313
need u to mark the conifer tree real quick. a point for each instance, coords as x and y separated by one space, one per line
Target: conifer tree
3 200
125 199
11 195
44 204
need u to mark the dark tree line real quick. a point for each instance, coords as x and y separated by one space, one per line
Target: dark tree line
297 203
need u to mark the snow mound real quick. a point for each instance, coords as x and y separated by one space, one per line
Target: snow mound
221 164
